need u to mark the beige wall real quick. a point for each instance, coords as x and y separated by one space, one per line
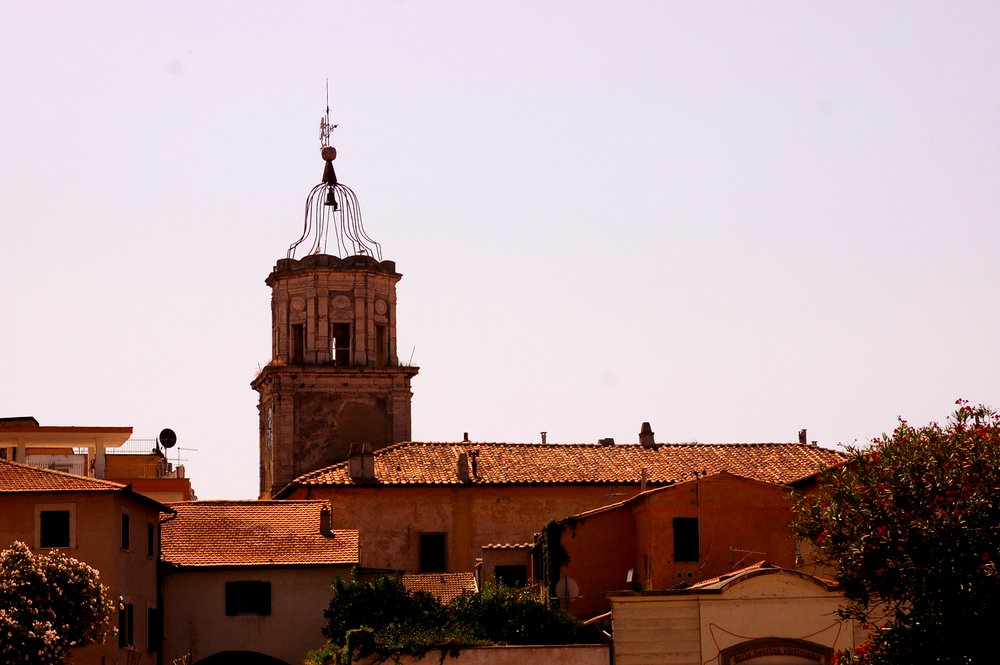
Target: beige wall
572 654
195 617
96 540
690 629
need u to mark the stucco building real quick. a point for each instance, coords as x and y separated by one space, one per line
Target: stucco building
107 453
247 581
104 524
760 615
431 507
679 535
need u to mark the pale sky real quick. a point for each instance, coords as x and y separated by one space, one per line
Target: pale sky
733 220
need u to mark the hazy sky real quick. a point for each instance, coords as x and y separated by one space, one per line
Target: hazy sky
733 220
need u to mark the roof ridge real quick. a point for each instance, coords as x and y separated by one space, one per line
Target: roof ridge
247 502
64 474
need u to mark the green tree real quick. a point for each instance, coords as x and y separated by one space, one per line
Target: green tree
912 527
48 604
382 617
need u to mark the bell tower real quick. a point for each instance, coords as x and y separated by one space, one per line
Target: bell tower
334 379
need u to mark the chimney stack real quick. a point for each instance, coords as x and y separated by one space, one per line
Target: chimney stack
463 467
802 437
610 441
646 439
544 436
361 463
325 521
465 437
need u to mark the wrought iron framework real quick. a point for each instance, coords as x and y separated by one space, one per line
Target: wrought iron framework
332 205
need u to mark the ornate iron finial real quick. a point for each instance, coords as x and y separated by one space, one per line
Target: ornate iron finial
333 204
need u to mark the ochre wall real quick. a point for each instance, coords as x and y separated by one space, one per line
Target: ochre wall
740 523
391 519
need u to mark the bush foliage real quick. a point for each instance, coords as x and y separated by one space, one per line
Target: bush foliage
48 604
382 617
912 527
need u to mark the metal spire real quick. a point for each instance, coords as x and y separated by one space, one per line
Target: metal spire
331 204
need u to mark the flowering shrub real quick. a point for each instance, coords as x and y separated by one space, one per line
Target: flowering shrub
912 527
48 603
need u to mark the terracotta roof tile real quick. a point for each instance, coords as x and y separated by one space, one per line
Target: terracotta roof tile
444 586
414 463
508 546
254 533
17 477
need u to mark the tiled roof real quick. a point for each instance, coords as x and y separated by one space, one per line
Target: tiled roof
508 546
531 463
444 586
17 477
254 533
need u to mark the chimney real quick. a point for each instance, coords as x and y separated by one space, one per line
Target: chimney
544 436
465 437
361 463
802 437
475 463
610 441
463 467
646 439
325 521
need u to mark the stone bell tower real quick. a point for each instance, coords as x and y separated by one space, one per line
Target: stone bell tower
334 379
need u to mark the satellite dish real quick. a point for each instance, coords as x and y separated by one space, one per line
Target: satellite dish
567 588
167 438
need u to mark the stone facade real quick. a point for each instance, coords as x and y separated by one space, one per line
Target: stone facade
334 379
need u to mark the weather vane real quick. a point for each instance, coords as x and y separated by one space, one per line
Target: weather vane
331 204
325 128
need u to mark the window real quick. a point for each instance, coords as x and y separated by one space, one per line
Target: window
513 576
298 343
126 539
126 626
433 557
54 528
340 344
381 347
150 539
686 539
153 629
55 525
247 597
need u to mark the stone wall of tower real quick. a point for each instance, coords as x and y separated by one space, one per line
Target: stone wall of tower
334 379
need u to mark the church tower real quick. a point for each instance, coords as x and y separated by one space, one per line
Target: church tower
334 380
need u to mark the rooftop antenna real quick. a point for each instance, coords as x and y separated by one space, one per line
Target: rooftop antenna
332 204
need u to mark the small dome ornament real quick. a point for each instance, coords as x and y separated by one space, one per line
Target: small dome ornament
333 205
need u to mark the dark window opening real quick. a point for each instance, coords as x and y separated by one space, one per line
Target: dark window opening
381 346
126 626
433 557
686 539
153 636
513 576
340 344
54 528
298 343
246 597
150 539
126 540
